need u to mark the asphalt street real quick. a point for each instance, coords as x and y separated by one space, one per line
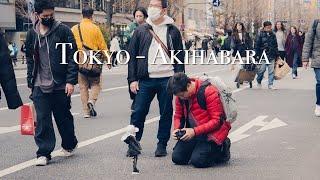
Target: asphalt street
276 135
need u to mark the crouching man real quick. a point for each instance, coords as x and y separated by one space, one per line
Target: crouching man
201 133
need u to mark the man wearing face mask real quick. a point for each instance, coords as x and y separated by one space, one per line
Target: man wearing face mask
148 76
51 82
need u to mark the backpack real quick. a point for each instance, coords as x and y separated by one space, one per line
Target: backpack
225 93
228 102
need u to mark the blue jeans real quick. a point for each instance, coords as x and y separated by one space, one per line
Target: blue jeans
317 73
147 90
295 64
263 69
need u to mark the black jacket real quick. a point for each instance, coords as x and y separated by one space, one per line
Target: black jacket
7 77
61 73
242 45
267 41
139 46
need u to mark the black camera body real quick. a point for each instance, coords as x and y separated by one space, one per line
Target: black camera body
180 134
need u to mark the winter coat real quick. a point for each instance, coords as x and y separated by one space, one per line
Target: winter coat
61 73
139 46
208 122
311 48
7 77
241 45
267 41
290 51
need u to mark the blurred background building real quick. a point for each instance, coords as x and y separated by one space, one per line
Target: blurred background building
193 17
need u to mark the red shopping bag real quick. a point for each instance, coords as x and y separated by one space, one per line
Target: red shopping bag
27 122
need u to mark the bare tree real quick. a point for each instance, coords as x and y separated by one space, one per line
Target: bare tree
22 9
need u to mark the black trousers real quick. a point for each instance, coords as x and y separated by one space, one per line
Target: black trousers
282 54
58 104
114 59
198 151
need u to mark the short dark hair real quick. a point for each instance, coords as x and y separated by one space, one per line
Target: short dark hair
178 83
141 9
41 5
87 12
164 3
267 23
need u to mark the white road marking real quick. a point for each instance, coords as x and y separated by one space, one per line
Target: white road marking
4 130
240 134
275 123
56 153
30 163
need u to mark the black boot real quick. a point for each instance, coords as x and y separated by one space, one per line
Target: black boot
161 150
225 152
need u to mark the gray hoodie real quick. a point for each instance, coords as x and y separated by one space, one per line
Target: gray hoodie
159 70
44 78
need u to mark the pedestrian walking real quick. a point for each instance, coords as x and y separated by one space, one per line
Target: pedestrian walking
13 52
266 41
88 36
293 49
115 48
51 82
7 76
281 36
140 15
23 51
311 50
149 77
205 47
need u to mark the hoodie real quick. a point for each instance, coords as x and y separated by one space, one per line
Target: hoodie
44 78
157 68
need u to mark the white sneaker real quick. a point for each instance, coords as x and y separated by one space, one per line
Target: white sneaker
42 161
317 111
259 85
86 116
68 153
271 87
294 76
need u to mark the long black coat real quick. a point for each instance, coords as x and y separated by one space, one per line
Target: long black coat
7 77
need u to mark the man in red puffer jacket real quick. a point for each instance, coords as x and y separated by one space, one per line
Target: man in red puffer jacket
201 134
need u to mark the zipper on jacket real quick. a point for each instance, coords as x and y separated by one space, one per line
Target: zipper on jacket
50 60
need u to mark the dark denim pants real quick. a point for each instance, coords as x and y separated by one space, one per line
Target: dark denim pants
58 104
198 151
317 73
147 90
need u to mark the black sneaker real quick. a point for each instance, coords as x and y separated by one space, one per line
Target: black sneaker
93 112
161 150
225 155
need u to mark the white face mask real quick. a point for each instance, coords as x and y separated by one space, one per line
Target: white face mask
154 13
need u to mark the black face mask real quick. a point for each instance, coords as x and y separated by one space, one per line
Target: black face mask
47 21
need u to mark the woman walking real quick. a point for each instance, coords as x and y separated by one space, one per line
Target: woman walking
293 49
